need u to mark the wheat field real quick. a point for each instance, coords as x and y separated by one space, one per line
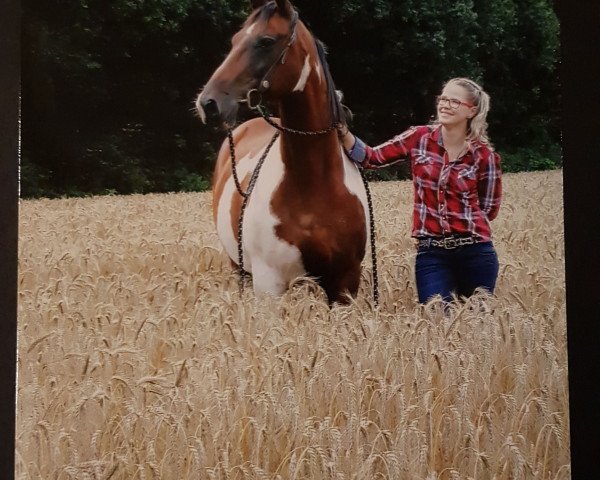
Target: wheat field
139 357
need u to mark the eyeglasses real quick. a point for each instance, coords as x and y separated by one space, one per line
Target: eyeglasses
453 103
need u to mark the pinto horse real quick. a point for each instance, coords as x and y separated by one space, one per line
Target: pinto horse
308 211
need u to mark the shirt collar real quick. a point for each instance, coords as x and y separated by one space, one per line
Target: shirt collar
436 136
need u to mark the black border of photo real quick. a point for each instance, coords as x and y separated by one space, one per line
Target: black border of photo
10 69
580 109
580 58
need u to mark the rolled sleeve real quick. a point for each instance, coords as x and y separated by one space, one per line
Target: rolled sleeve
490 185
394 150
358 151
388 153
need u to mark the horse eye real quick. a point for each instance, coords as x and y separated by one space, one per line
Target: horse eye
265 42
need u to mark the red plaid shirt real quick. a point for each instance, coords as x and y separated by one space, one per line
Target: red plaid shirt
459 197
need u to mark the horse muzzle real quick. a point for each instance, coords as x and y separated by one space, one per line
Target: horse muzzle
217 110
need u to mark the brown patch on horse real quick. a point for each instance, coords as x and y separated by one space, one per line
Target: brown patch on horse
321 217
334 258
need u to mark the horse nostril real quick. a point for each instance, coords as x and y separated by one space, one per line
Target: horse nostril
210 108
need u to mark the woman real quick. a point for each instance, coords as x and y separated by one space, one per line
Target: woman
457 191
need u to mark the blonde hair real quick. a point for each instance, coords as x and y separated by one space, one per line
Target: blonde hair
476 126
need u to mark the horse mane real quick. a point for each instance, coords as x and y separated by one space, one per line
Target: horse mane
335 105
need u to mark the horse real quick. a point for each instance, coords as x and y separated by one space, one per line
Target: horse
308 212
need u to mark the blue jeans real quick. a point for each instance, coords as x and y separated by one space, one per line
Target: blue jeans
460 270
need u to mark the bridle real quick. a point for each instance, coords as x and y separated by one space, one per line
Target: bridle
265 83
253 100
254 96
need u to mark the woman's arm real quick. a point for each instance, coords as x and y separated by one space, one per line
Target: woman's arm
387 153
490 185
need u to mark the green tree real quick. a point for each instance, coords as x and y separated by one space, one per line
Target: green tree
108 87
391 57
108 90
519 45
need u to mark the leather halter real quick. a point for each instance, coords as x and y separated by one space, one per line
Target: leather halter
265 82
254 95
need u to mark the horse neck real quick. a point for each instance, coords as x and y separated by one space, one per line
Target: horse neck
310 157
307 110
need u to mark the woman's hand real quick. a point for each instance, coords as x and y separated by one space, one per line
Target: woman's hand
342 129
346 138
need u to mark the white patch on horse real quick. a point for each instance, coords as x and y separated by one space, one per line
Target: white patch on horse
200 110
272 261
354 183
303 75
319 71
250 29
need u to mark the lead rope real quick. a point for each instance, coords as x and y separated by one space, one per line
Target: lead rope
281 128
233 169
246 196
374 273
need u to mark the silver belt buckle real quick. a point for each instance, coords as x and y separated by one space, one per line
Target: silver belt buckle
450 243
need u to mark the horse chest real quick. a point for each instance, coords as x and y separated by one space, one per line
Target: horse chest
277 228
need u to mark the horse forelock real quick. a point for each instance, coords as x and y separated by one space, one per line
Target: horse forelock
264 13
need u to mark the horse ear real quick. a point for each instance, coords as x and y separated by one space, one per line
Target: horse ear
257 3
285 7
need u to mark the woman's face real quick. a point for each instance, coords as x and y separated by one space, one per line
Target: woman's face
454 106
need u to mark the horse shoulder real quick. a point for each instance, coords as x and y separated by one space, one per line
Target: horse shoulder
248 139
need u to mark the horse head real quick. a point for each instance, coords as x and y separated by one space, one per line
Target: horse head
266 42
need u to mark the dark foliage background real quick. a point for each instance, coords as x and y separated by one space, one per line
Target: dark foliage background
108 87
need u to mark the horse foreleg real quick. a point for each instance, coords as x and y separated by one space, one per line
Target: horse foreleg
267 279
343 284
